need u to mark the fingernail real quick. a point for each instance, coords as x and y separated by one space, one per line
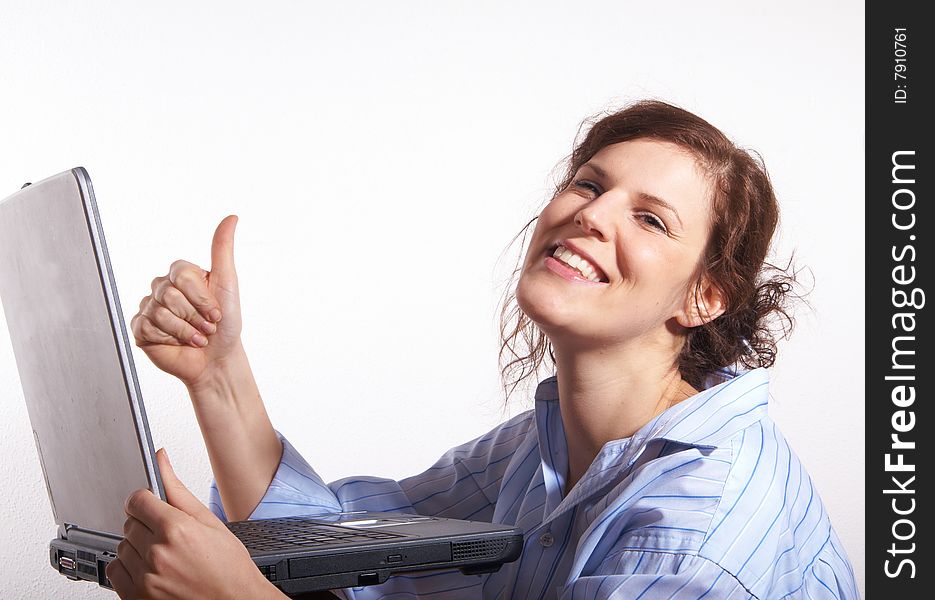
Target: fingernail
199 340
214 314
208 327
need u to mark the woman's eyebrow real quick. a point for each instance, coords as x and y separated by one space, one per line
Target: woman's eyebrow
597 169
662 203
645 197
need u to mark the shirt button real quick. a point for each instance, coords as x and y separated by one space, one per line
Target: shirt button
546 540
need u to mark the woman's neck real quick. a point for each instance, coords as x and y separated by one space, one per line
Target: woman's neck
609 394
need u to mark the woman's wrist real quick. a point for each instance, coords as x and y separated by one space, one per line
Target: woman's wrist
228 381
228 406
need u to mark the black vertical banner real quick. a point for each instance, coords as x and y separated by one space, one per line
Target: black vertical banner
900 369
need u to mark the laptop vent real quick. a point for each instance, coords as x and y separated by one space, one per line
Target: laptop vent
478 549
87 569
88 556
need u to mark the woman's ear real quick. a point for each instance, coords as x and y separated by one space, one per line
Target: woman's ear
704 303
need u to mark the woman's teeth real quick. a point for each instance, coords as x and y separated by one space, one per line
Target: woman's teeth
574 261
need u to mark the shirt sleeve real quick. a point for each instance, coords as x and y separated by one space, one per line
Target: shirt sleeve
651 574
296 489
831 575
463 484
633 573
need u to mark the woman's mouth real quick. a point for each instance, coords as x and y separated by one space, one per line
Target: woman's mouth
570 263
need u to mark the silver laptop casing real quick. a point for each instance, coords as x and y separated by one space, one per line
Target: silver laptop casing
91 464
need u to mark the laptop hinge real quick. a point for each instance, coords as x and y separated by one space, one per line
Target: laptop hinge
97 539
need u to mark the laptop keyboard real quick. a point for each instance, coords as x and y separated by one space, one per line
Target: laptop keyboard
292 533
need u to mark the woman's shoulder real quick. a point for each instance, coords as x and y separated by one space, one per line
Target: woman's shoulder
502 440
746 504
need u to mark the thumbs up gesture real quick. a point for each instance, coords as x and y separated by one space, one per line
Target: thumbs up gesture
191 322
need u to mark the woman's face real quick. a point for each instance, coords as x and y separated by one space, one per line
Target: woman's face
633 225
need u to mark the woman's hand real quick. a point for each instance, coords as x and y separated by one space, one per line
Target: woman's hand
180 550
191 322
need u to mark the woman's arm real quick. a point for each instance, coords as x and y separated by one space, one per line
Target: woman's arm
190 327
243 448
463 484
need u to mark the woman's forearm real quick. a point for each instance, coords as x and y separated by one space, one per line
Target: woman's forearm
243 448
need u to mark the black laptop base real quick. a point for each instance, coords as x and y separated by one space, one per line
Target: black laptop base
82 562
309 573
295 575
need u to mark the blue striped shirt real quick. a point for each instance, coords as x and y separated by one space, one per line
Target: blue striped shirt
707 500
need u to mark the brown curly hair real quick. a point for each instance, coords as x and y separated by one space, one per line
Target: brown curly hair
744 216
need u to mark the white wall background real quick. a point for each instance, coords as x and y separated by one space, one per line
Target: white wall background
380 156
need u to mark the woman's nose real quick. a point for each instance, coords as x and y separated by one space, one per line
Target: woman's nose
590 219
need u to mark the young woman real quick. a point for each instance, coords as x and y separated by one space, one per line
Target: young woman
649 467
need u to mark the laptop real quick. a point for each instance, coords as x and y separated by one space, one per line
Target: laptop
94 443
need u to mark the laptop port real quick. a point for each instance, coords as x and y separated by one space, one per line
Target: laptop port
368 579
66 562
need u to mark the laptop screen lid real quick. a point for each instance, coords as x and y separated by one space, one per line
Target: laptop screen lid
73 358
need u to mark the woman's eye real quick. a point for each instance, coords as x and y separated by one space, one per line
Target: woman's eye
653 221
587 185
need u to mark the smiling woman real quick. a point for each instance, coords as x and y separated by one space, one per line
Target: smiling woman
649 467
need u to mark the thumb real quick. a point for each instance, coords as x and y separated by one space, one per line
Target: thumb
222 251
179 496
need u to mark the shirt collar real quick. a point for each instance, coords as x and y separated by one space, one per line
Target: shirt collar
705 420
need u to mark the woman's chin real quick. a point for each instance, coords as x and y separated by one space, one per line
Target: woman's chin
547 307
